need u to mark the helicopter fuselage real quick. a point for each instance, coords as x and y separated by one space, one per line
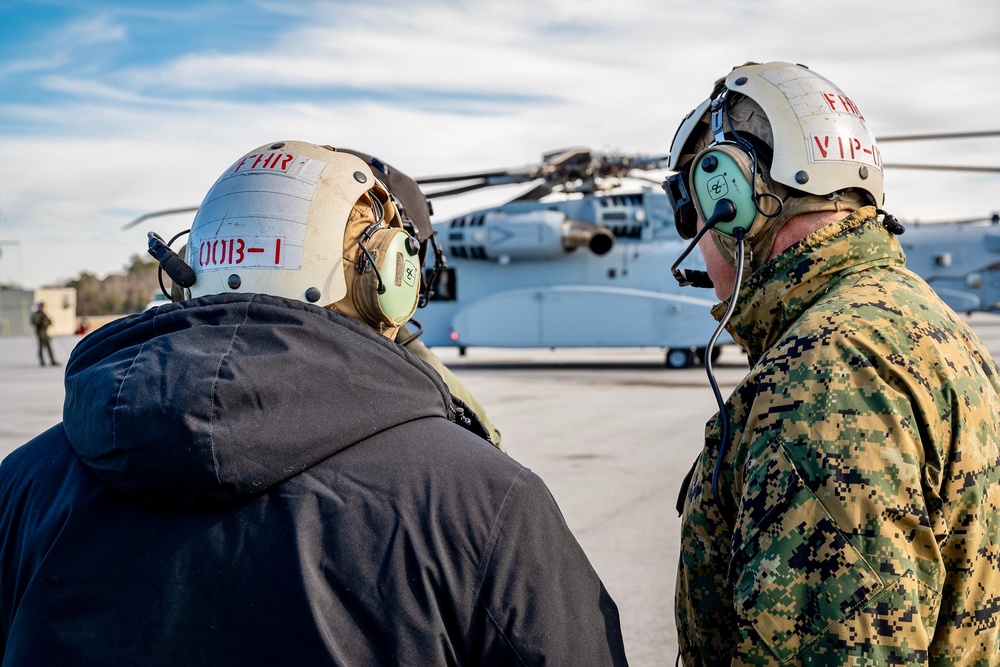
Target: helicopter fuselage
961 261
545 274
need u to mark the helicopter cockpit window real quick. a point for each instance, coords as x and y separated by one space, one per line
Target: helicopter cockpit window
443 287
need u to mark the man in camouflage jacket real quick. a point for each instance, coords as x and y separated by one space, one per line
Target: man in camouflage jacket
855 514
863 468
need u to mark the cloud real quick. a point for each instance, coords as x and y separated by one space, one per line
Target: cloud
90 32
120 112
63 46
89 89
29 65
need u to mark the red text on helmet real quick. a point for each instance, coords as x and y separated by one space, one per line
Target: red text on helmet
269 161
844 148
842 104
231 252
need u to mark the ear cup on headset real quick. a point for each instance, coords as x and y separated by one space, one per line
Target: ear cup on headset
724 172
400 275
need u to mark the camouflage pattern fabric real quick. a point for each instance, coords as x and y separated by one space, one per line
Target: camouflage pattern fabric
860 517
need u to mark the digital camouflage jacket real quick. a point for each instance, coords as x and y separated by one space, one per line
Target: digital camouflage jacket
859 522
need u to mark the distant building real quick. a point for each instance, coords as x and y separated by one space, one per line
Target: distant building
17 306
15 311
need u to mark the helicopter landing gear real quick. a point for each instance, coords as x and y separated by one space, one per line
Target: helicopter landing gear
679 357
461 351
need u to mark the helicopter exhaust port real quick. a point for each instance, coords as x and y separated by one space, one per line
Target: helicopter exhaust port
520 237
598 238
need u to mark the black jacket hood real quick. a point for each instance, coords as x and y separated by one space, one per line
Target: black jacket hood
220 398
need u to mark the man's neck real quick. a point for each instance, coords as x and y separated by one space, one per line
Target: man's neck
801 226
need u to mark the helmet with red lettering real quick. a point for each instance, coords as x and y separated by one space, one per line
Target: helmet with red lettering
311 223
784 124
817 139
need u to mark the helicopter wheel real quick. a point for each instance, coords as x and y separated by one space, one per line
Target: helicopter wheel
461 351
679 357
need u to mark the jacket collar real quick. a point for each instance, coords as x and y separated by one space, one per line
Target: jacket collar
777 294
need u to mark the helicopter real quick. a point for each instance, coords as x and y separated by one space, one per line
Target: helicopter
960 260
582 258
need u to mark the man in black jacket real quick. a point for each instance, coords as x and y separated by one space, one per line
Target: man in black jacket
259 475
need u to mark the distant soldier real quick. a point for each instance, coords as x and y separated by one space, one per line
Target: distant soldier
40 320
845 509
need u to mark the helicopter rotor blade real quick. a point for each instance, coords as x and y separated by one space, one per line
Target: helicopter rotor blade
157 214
579 156
536 192
944 167
457 191
943 136
571 169
992 219
940 136
431 180
655 181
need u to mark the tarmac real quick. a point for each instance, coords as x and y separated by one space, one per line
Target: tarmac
611 431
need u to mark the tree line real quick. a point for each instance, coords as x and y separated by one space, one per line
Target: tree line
117 293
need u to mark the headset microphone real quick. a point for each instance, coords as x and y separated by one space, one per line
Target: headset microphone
171 263
725 211
692 278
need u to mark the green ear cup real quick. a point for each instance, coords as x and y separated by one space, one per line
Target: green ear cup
718 176
401 277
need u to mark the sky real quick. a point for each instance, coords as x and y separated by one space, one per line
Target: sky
113 109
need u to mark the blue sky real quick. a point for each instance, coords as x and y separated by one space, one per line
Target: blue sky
109 110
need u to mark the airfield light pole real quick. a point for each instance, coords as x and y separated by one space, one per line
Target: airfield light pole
4 328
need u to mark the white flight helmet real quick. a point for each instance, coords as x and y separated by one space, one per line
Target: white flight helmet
311 223
773 141
821 140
